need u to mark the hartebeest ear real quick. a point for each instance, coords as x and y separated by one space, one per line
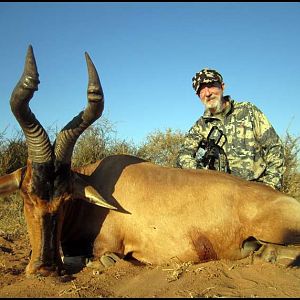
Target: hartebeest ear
11 182
82 190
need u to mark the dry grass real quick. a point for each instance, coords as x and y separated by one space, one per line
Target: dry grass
12 221
176 269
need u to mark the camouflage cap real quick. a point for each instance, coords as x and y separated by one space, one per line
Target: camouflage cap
206 76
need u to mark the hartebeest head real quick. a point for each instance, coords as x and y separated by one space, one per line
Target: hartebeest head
47 181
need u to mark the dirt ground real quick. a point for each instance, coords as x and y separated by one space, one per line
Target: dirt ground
250 277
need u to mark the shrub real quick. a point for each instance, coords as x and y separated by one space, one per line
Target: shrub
291 176
162 147
99 141
13 152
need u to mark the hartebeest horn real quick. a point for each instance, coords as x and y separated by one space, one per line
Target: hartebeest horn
39 146
68 136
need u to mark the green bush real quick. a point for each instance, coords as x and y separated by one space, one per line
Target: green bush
12 221
291 176
13 153
162 147
99 141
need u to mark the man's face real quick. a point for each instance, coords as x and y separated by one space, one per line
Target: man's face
211 95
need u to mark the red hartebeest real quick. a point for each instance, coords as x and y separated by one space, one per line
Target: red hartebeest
123 205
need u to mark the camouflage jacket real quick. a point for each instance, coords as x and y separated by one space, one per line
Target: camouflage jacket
254 151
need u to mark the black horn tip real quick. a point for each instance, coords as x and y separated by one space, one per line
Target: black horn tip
30 64
88 58
30 53
30 77
93 74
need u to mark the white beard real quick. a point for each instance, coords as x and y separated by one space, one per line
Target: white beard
216 104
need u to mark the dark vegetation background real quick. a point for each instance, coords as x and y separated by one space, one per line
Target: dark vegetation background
99 141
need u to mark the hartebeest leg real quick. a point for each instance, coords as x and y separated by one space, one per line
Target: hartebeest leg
285 255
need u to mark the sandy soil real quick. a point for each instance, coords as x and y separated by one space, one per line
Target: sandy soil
250 277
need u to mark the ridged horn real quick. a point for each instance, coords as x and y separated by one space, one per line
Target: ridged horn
38 143
66 139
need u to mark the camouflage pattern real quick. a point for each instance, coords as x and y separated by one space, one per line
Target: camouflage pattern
206 76
253 148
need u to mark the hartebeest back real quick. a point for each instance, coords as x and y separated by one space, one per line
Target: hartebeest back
123 205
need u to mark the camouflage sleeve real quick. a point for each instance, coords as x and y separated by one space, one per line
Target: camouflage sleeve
187 153
272 148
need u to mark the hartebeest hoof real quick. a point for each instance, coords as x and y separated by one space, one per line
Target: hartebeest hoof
74 264
106 260
45 271
109 259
